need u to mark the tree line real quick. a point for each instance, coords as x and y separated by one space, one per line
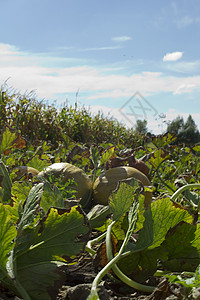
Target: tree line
186 131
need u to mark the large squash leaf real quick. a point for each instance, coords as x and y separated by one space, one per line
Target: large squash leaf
20 192
182 245
122 199
30 207
7 234
5 184
41 249
51 197
162 216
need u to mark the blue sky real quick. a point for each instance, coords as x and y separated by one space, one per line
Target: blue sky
130 59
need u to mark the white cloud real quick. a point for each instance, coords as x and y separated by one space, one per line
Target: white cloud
186 21
27 72
184 88
122 38
6 49
173 56
184 66
116 114
100 48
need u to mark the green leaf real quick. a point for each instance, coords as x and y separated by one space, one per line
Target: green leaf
107 155
165 216
163 140
39 163
98 215
51 197
41 249
196 148
196 241
182 247
41 281
139 266
132 218
145 253
162 216
19 191
6 140
122 199
146 235
118 230
192 197
7 234
95 156
189 282
157 158
6 184
31 204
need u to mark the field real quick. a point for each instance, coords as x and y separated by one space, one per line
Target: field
91 210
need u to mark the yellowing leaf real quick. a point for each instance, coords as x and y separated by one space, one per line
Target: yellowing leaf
7 139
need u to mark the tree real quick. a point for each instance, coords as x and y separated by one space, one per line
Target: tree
141 126
176 125
187 132
190 133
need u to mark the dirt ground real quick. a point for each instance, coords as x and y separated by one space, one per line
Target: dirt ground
78 279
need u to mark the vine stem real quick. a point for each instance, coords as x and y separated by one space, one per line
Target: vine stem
117 271
105 270
184 188
88 247
112 264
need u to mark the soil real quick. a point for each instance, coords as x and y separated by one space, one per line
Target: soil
78 279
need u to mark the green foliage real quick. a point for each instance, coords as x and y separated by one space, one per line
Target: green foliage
33 243
19 194
168 239
141 126
39 121
38 235
121 200
186 132
51 196
30 207
43 248
189 280
39 162
7 235
5 189
6 140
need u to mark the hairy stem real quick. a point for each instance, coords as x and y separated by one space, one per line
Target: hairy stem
115 268
88 247
184 188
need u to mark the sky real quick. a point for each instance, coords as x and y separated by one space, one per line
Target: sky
128 59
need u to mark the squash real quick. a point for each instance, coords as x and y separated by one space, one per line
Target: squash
69 171
106 183
138 164
25 170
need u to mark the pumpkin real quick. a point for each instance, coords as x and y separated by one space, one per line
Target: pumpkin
106 183
69 171
29 172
